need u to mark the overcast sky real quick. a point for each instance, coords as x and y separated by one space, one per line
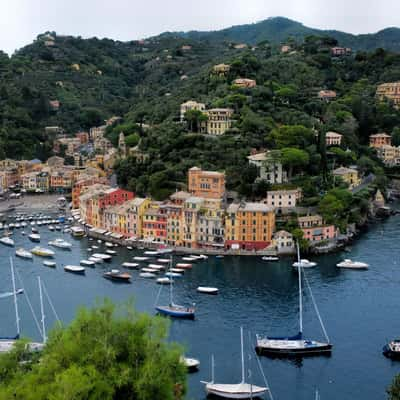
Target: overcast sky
22 20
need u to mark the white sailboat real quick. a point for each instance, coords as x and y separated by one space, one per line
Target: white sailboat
7 343
242 390
295 345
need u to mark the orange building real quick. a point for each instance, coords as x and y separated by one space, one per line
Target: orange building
82 184
380 140
249 226
208 184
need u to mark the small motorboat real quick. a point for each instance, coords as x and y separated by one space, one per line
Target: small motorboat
157 267
183 266
392 349
270 258
7 241
60 243
163 260
192 364
23 233
151 253
130 265
111 252
347 263
34 230
75 269
304 264
151 270
177 270
42 252
104 257
51 228
77 231
137 258
99 241
96 260
164 281
147 275
207 290
23 253
50 264
87 263
191 259
117 275
173 274
34 237
95 247
129 247
108 244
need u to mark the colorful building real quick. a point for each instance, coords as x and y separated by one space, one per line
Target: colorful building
315 230
155 223
390 91
249 226
207 184
219 120
191 105
136 210
333 139
348 175
380 139
269 166
283 200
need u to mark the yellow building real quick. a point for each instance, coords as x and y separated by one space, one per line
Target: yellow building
348 175
135 213
219 120
391 91
221 69
155 222
191 105
249 226
191 211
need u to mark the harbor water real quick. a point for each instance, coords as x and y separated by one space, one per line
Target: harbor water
359 309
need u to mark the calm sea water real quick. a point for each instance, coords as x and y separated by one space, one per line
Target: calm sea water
359 308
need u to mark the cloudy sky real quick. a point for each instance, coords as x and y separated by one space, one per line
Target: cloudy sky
22 20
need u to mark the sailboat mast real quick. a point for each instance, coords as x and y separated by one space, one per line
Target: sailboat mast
242 353
171 284
15 296
300 292
212 368
42 311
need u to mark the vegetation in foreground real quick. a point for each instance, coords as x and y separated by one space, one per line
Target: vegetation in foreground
107 352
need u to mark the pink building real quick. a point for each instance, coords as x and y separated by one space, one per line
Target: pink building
318 233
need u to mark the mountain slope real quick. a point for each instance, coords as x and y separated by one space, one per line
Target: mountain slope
278 29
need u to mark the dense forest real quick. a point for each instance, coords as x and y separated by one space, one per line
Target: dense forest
146 81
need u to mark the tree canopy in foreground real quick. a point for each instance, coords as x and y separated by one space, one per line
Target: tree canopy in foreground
107 352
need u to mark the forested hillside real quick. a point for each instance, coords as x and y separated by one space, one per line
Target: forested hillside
146 81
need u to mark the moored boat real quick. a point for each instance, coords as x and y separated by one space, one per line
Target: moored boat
50 264
77 231
147 275
34 237
60 243
295 346
87 263
130 265
42 252
184 265
304 264
75 269
117 275
104 257
139 258
111 252
192 364
242 390
7 241
349 264
164 281
392 349
207 290
23 253
270 258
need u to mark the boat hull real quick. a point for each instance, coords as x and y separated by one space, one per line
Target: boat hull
226 391
389 353
297 348
175 313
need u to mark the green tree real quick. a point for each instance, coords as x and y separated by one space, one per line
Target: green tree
394 389
194 119
106 353
293 158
